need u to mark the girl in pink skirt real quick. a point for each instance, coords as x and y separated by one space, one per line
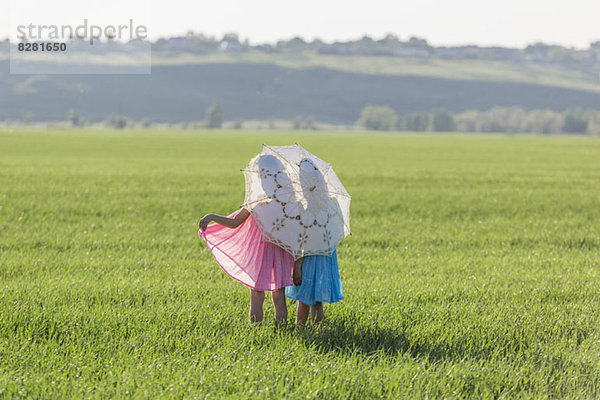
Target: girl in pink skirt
237 244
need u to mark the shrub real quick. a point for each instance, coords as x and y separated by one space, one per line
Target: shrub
378 118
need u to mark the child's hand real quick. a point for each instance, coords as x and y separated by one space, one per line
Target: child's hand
207 219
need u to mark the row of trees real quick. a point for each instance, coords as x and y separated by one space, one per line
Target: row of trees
389 45
498 119
214 119
384 118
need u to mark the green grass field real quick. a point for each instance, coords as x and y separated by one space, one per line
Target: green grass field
473 270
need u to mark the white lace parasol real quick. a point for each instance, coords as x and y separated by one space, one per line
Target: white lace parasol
297 200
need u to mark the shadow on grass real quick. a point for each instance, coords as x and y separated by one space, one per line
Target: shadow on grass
350 335
357 336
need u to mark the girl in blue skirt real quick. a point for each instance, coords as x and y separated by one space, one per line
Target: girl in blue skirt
316 280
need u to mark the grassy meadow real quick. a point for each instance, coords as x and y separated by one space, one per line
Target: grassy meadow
473 270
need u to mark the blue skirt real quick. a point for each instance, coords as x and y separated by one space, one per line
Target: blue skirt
320 281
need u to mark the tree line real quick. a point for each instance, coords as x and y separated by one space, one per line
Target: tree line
213 119
384 118
497 119
389 45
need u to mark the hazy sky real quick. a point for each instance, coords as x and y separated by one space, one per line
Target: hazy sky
483 22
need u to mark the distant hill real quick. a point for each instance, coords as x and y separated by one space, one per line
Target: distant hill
264 84
584 76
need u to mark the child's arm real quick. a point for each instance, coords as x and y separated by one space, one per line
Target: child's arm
225 221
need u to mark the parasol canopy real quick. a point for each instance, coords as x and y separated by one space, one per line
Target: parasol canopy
297 200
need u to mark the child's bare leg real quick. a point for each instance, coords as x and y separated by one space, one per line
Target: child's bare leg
257 298
316 312
297 272
281 311
302 314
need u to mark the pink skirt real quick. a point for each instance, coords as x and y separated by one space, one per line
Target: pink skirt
245 257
